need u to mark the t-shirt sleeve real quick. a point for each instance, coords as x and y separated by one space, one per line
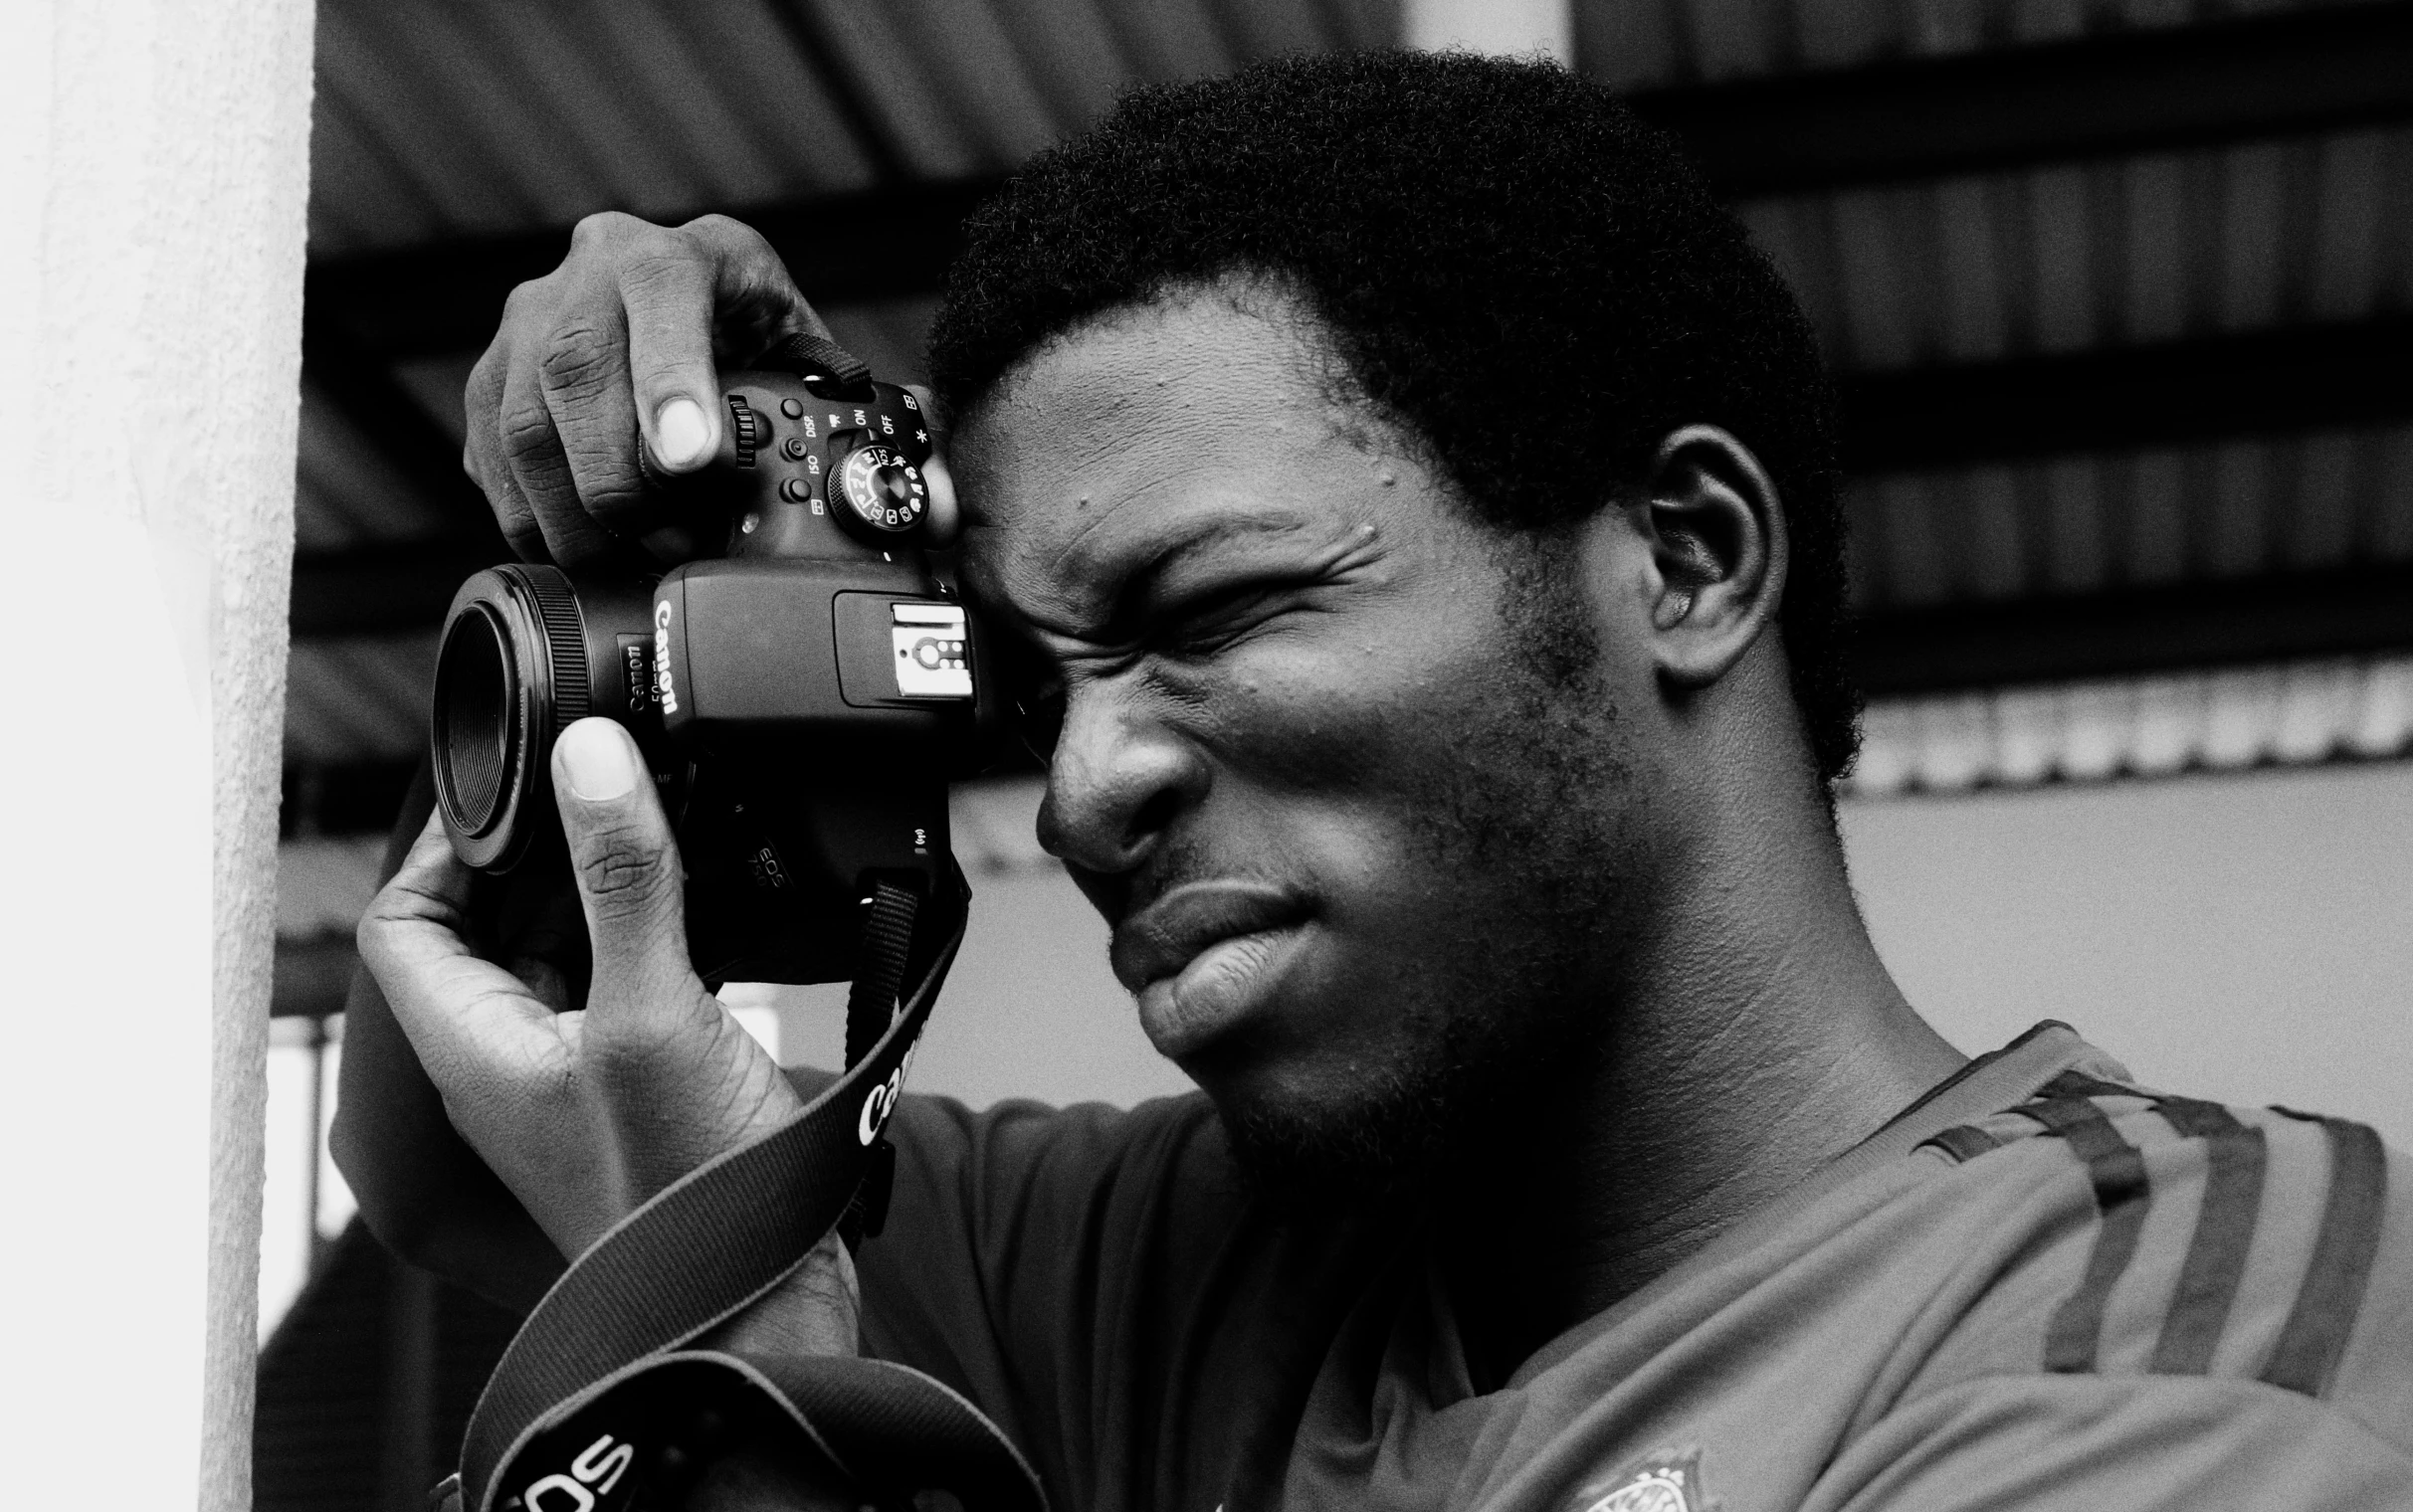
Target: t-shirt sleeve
1033 1258
2139 1443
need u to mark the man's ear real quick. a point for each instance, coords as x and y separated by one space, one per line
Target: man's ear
1717 533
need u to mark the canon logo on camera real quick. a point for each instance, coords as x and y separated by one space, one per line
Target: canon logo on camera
661 657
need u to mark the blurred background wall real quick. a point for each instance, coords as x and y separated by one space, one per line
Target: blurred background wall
2119 292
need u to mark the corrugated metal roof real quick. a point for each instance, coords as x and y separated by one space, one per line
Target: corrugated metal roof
1642 42
358 701
2065 257
437 121
2076 524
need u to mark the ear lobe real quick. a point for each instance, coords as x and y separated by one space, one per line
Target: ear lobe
1716 532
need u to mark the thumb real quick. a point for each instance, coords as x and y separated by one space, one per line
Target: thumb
627 865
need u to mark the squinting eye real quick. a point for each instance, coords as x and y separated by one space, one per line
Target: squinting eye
1038 710
1039 720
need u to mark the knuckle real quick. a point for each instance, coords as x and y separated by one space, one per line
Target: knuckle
579 358
725 232
526 425
602 227
659 268
486 376
619 874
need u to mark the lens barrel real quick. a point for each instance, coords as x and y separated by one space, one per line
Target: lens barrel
524 654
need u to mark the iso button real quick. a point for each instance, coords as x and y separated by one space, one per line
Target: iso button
885 494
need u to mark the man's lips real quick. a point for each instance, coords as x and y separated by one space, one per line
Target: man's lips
1200 957
1162 938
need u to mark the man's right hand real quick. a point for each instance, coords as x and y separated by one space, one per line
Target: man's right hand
621 339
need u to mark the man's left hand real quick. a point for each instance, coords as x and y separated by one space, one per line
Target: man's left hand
588 1113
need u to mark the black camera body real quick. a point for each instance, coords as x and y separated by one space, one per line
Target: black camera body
802 699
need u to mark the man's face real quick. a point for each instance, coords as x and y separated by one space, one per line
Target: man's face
1340 766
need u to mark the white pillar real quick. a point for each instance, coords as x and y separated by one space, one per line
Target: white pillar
1517 27
153 169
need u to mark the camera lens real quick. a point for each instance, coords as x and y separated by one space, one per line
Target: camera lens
473 727
515 667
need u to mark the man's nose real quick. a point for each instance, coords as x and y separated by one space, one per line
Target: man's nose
1117 782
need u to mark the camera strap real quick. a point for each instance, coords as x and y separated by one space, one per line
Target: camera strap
600 1398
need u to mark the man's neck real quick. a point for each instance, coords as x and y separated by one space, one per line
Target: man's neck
1752 1041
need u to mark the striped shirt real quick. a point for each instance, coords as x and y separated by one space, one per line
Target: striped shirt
2044 1286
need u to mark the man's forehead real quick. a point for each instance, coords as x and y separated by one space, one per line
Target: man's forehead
1128 397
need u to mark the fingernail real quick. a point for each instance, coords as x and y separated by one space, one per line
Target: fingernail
680 433
595 757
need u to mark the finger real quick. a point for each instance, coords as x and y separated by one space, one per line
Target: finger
712 283
583 373
474 1025
532 452
627 865
666 301
530 920
481 454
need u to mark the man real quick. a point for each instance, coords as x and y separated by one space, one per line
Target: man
1413 496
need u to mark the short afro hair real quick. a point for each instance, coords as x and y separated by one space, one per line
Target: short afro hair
1515 267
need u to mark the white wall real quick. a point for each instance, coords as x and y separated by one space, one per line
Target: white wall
154 159
2244 937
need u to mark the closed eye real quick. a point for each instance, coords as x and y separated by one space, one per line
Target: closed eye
1211 622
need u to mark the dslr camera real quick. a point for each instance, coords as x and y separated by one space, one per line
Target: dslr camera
802 698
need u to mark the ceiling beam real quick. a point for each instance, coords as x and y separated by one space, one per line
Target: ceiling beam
363 386
2325 69
447 298
2322 69
2127 398
2133 632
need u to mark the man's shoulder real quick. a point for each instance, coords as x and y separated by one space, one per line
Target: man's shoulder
2117 1232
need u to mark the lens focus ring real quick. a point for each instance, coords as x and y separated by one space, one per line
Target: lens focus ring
477 730
511 671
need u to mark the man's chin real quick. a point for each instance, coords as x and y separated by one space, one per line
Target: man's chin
1418 1117
1378 1144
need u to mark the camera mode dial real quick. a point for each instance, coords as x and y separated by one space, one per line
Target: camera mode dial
881 492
